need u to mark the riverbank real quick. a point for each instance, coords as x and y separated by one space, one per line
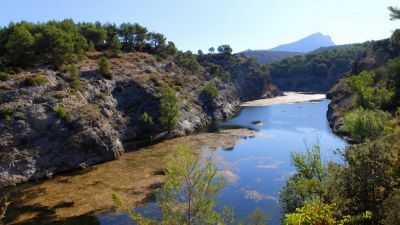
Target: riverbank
72 198
286 98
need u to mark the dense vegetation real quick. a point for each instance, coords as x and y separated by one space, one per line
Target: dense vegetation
364 189
27 44
317 71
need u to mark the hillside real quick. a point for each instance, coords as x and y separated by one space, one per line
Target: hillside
307 44
315 72
379 59
60 113
365 108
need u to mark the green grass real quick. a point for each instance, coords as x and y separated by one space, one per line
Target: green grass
36 80
61 112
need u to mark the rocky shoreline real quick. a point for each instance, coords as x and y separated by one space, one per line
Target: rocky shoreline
342 101
104 115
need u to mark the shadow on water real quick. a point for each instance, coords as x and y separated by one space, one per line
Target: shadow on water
38 214
19 213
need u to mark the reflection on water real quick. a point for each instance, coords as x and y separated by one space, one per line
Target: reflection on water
255 163
74 197
262 164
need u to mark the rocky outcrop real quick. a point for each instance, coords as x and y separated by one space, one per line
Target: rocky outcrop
54 126
342 101
251 79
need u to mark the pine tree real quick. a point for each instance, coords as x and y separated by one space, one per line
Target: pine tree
20 46
115 46
169 109
189 193
104 68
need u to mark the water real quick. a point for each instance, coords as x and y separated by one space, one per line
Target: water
257 167
263 163
256 164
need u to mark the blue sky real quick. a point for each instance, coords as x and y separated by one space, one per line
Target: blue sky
244 24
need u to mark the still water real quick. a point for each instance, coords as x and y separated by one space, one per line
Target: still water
257 166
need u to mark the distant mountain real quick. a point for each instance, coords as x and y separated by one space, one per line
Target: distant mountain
307 44
265 56
315 42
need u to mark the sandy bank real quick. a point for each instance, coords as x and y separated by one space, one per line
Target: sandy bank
287 98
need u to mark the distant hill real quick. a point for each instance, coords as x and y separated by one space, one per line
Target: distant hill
307 44
265 56
316 71
313 43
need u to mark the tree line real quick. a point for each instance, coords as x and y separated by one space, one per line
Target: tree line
26 44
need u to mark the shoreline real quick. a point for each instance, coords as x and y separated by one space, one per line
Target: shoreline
286 98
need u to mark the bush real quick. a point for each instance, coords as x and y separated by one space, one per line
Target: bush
6 113
211 89
104 68
188 61
362 124
383 98
225 76
73 71
146 119
368 177
36 80
169 109
360 85
218 71
311 180
61 112
4 76
73 79
318 212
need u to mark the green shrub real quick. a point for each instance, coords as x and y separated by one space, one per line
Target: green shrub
211 89
36 80
61 112
218 71
146 119
73 79
104 68
382 98
370 97
6 113
188 61
362 124
368 176
169 109
75 84
318 212
311 180
73 71
361 85
225 76
4 76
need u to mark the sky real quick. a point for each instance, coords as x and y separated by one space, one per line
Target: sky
243 24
